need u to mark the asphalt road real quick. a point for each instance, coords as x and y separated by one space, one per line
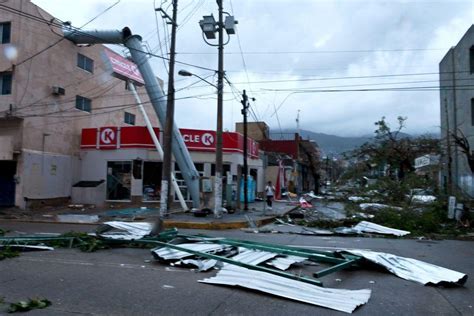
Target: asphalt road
124 281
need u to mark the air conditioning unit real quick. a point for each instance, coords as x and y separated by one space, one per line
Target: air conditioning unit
57 90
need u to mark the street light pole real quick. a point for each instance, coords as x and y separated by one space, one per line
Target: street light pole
168 128
209 27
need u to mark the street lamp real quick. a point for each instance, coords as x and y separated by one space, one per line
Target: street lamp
209 27
186 73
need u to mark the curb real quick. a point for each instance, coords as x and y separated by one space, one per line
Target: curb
173 223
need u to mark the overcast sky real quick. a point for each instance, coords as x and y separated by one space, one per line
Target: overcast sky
291 45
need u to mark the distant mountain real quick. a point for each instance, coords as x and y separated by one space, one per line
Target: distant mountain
329 144
336 145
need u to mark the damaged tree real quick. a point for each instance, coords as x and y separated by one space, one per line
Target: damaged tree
395 150
463 143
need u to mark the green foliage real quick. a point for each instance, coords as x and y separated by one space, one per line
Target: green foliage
6 252
24 306
393 149
2 232
431 219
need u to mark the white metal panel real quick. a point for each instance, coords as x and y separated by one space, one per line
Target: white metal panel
337 299
412 269
283 263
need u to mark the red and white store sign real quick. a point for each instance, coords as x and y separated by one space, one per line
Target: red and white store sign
122 67
138 137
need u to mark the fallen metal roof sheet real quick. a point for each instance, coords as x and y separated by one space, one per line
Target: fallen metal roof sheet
253 257
27 247
412 269
166 253
283 263
368 227
124 230
337 299
201 265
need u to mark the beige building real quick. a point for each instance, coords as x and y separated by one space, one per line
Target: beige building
51 90
72 132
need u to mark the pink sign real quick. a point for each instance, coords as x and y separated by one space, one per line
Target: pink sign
123 68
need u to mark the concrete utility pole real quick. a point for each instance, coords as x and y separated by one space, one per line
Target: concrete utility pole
245 106
220 94
209 27
168 128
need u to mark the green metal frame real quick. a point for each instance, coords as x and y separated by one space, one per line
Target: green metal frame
234 262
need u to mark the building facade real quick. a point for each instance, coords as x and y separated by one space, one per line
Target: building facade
53 94
457 116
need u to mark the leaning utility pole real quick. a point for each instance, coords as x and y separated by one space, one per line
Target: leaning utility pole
168 128
245 106
219 127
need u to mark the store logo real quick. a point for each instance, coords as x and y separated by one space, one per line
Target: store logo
207 139
107 136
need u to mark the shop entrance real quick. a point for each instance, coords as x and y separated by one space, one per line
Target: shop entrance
152 180
119 180
7 183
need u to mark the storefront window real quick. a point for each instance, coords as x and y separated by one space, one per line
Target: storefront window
119 180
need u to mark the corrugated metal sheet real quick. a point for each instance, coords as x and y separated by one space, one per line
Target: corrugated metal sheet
283 263
368 227
337 299
412 269
202 265
124 230
253 257
170 254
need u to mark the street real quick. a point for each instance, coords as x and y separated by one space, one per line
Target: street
123 281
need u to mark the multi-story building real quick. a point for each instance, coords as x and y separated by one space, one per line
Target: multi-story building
457 116
55 99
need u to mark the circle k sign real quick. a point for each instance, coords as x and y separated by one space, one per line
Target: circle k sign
107 136
207 139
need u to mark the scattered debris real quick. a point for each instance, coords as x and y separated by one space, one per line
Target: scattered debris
342 300
378 207
77 218
24 306
124 230
166 253
166 287
356 198
6 252
412 269
368 227
423 199
27 247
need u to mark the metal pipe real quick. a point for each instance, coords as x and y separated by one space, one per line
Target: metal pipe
157 143
155 93
95 36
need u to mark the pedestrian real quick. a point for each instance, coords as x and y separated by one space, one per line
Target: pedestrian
269 192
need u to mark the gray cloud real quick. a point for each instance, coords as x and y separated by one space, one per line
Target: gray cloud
375 27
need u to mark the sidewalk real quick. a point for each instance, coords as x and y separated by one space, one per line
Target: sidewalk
257 215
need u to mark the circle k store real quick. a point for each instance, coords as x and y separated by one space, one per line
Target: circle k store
121 164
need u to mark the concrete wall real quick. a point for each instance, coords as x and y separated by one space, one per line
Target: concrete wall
455 108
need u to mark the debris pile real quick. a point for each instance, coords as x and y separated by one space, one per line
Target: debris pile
259 266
